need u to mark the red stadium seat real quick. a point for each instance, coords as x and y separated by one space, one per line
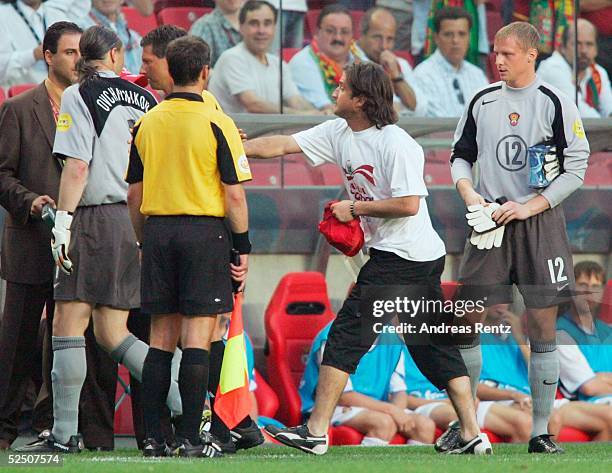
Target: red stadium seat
605 311
123 404
492 72
181 16
494 5
288 53
405 55
569 434
343 435
18 89
297 312
267 400
141 24
2 95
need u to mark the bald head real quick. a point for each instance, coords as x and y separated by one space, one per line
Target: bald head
586 47
378 28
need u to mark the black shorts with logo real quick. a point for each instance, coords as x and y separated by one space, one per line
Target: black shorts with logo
535 255
348 341
185 266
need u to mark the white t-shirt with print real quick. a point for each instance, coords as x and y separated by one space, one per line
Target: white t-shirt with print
379 164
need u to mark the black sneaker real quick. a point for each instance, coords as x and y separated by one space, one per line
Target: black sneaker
48 444
210 450
543 444
300 437
247 437
479 445
449 439
152 448
228 447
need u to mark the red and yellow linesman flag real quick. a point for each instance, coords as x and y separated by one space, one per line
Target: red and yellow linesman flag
233 400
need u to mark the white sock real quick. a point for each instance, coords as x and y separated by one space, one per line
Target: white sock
373 442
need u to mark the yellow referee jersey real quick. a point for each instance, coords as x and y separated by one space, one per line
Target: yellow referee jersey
183 151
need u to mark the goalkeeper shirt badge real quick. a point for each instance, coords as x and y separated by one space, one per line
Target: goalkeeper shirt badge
514 118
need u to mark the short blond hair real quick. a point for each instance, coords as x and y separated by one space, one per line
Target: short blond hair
525 34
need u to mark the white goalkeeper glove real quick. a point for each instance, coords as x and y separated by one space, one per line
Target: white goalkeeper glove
486 233
551 164
60 241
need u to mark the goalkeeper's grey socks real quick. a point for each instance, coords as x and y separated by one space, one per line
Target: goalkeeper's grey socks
543 379
472 357
131 352
68 375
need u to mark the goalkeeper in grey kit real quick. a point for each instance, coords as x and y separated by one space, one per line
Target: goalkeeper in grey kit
532 152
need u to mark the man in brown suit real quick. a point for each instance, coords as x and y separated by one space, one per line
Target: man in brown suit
29 179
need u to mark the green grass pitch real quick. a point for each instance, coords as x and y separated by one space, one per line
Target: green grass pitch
586 457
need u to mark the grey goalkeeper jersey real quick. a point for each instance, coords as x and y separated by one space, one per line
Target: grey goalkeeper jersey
498 126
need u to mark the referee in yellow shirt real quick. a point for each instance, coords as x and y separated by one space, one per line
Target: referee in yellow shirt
186 167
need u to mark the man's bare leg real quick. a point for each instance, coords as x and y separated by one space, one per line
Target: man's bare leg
329 389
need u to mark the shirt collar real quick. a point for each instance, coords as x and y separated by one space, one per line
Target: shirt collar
107 73
444 64
224 21
28 11
185 96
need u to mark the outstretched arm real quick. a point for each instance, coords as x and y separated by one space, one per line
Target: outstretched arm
271 146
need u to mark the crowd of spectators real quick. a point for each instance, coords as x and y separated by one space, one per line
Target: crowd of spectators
437 53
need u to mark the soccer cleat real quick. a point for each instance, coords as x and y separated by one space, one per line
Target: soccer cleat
479 445
210 450
300 437
228 447
247 437
449 438
543 444
152 448
48 444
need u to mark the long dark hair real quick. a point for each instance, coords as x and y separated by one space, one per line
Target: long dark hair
95 43
369 80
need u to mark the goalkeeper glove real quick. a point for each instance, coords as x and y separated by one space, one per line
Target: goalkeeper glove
551 164
60 241
486 232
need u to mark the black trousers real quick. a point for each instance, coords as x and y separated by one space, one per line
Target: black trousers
20 348
351 334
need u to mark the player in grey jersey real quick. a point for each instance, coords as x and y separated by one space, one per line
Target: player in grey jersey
529 143
93 243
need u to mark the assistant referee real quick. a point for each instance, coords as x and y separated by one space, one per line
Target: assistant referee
186 167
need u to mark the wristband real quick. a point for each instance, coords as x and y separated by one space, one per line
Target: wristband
399 78
241 242
353 209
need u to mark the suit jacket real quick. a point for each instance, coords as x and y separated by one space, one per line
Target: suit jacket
27 170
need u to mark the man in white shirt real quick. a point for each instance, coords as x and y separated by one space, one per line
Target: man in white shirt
317 68
246 78
594 93
376 44
383 175
23 24
446 78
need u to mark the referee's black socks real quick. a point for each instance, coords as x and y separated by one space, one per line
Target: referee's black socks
156 374
217 427
193 383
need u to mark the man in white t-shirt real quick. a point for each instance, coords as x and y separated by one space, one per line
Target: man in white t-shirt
246 78
383 175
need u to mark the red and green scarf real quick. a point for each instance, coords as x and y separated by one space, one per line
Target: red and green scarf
330 69
470 6
593 88
551 17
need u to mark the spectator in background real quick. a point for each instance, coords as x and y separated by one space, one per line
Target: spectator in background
599 12
446 78
293 14
594 92
22 27
364 404
108 13
220 28
478 47
247 77
402 11
318 67
585 343
376 44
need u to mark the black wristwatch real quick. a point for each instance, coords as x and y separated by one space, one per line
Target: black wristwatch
399 78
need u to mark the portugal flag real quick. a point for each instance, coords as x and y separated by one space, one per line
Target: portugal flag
233 401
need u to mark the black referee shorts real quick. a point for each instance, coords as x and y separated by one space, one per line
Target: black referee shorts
349 340
185 266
